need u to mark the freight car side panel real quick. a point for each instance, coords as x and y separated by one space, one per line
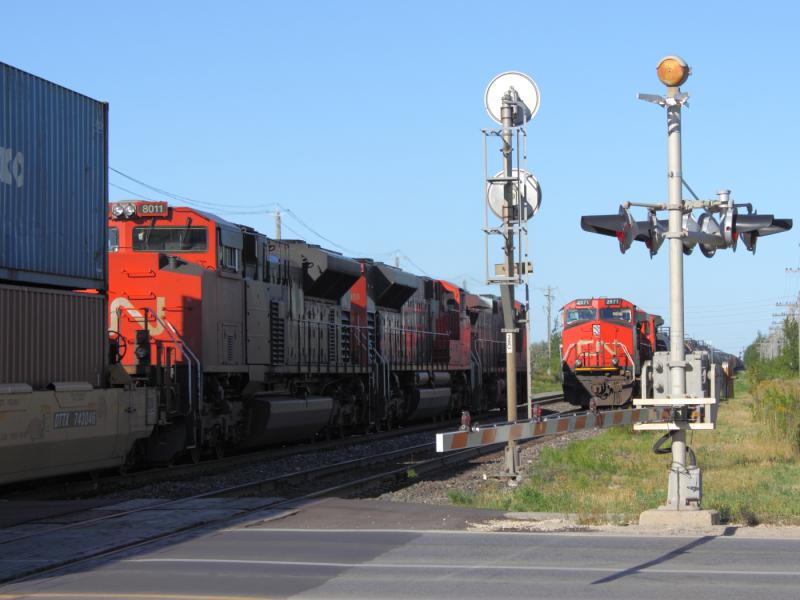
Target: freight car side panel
49 433
53 175
49 335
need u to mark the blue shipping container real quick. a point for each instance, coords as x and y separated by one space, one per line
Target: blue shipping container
53 184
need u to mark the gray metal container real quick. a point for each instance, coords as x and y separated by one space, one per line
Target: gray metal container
53 184
49 336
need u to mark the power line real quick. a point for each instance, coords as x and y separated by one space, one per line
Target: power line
240 209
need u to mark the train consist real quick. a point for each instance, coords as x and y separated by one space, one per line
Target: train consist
606 342
266 340
167 331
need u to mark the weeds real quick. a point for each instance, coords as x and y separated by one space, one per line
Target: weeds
750 475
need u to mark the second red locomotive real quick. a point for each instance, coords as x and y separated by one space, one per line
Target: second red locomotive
604 343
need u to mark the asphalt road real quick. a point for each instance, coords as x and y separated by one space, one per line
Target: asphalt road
269 562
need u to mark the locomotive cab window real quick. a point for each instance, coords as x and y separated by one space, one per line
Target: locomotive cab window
578 314
113 239
182 239
616 314
230 258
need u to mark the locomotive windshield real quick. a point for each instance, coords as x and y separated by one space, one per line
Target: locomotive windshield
183 239
579 314
615 314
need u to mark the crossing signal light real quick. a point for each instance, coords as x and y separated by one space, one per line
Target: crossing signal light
673 71
627 230
706 231
752 231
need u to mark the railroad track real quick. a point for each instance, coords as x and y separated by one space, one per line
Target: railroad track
87 487
387 469
279 495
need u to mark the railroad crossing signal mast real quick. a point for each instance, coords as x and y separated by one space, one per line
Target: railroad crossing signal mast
513 195
684 232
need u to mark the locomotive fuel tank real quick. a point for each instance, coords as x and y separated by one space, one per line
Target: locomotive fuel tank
276 419
430 397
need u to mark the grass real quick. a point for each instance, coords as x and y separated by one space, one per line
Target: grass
777 404
750 475
541 382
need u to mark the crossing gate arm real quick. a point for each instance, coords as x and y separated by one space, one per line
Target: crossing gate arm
524 430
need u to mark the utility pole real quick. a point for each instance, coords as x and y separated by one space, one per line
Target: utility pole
549 295
794 314
796 307
677 352
278 224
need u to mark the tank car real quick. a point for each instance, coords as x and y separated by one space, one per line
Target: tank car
604 343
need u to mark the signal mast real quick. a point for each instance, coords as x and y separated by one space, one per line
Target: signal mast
512 194
684 232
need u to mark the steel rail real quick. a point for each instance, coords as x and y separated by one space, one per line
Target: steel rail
392 475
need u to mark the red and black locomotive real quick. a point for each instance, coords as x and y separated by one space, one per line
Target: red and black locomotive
604 343
267 340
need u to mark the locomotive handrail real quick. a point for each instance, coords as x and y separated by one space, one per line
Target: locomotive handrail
170 329
605 347
624 349
178 341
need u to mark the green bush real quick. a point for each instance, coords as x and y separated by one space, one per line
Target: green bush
776 403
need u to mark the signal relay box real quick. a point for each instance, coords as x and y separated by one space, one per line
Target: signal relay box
697 409
699 371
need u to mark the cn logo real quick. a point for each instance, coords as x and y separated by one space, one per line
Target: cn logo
12 165
122 308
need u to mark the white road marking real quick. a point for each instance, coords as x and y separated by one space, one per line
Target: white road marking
590 533
475 567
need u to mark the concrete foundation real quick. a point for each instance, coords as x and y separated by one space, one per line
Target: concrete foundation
666 517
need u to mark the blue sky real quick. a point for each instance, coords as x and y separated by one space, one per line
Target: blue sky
364 119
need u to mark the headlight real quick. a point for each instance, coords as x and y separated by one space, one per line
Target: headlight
578 363
116 211
130 210
615 361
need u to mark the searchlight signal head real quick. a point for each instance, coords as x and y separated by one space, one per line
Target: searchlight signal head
514 88
673 71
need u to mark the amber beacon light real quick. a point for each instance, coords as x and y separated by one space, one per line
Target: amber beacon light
673 71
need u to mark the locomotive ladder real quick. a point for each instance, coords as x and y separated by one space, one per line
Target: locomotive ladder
195 393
